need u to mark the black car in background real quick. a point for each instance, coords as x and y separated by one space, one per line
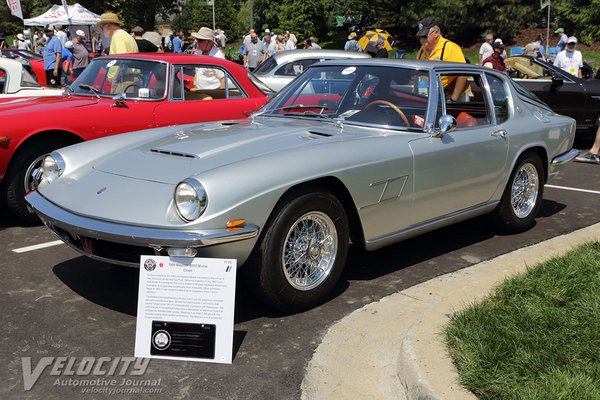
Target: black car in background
564 93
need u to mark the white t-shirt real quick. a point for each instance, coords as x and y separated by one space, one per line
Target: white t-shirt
570 62
485 50
62 36
210 78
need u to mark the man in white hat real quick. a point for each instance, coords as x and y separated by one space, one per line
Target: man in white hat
81 56
208 78
120 41
570 60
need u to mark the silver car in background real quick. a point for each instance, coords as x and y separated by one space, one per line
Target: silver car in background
368 152
281 68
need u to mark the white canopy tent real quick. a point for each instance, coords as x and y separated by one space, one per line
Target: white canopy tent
78 15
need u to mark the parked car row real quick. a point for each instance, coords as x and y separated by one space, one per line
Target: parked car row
359 151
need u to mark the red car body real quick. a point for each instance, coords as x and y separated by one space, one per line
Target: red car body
33 127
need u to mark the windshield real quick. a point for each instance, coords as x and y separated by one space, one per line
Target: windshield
266 66
364 95
137 79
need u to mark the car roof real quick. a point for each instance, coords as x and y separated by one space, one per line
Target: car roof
300 54
417 64
172 58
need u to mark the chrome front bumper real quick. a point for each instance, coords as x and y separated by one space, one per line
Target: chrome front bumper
560 160
75 230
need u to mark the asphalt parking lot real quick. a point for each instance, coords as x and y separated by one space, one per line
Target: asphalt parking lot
58 303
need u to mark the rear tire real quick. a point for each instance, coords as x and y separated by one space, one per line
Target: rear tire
302 253
522 196
17 185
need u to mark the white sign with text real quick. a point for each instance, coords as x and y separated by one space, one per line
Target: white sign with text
185 309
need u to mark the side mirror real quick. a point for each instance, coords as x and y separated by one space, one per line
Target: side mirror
447 123
557 80
119 100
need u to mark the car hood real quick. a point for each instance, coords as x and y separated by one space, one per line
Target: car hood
45 104
199 148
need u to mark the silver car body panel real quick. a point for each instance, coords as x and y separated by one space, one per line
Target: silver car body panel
401 183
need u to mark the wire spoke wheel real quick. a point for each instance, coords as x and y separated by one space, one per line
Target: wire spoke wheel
524 191
310 250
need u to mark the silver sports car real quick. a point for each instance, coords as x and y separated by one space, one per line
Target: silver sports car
354 151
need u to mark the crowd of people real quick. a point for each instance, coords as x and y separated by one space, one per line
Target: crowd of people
64 57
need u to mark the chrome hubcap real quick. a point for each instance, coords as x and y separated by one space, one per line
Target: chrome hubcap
310 249
525 188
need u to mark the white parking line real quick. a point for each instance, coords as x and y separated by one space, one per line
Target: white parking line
573 189
37 246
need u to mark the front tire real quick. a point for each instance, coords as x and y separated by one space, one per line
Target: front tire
302 253
522 196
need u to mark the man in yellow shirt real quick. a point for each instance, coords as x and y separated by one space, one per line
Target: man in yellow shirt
120 41
435 47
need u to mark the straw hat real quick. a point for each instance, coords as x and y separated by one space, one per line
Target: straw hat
109 18
20 36
204 34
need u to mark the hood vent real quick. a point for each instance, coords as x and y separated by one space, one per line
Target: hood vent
172 153
320 133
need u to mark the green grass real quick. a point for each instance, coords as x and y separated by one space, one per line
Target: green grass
538 336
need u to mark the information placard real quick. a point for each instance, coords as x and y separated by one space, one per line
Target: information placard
185 309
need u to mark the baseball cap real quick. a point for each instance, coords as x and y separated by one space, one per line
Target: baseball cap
498 44
138 29
69 44
425 25
79 32
559 30
572 39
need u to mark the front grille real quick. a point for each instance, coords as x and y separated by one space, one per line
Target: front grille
105 249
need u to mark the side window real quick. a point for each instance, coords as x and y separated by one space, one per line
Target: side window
295 68
471 107
499 97
204 83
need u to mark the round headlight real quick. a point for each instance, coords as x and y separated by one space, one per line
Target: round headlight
190 199
52 167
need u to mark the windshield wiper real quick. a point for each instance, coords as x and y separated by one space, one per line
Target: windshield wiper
90 89
302 106
69 90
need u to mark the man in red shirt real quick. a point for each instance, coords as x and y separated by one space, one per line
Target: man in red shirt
496 61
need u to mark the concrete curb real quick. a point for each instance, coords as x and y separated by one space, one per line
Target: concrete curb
393 348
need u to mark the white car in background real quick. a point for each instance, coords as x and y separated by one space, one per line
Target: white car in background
16 81
283 67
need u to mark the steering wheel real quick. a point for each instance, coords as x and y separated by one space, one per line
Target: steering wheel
131 85
392 106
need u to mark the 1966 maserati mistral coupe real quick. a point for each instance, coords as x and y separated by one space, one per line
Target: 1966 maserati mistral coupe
368 152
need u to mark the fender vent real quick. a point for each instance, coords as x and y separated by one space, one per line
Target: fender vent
172 153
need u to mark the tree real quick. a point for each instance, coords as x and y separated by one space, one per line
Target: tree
307 17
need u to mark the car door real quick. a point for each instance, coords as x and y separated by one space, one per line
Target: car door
562 92
192 99
135 81
462 169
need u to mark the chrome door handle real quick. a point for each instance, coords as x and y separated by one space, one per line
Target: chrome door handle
500 133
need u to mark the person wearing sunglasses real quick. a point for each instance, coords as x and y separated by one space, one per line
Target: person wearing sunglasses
435 47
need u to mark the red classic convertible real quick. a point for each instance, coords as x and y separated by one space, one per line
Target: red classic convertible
117 94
